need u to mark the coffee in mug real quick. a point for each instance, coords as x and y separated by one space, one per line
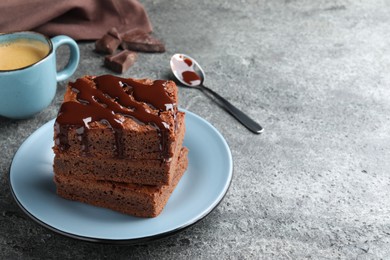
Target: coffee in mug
21 53
28 71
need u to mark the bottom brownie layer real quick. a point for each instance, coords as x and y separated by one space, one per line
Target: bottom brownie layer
132 199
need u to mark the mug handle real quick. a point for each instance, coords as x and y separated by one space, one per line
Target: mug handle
71 67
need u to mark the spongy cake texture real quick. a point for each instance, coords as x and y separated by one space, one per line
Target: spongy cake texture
132 199
118 143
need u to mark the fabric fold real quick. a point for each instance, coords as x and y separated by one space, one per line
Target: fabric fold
81 20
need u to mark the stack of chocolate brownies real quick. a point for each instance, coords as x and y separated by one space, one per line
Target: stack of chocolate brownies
118 144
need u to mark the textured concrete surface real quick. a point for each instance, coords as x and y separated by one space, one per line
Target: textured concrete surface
316 184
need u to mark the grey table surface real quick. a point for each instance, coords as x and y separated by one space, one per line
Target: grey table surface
315 184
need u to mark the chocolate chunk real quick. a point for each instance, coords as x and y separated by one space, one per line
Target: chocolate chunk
109 42
114 33
120 62
138 40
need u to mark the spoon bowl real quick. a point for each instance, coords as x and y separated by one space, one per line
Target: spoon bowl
187 70
190 74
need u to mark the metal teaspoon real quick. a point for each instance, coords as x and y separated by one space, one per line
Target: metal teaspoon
190 74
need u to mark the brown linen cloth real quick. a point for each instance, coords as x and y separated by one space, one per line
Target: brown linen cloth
79 19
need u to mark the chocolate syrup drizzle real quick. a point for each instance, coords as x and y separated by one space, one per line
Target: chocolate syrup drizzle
190 76
188 62
106 99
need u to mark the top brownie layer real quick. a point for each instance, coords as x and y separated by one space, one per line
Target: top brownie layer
120 115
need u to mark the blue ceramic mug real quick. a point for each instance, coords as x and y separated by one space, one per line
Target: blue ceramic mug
27 90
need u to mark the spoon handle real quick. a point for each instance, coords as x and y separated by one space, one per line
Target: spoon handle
238 114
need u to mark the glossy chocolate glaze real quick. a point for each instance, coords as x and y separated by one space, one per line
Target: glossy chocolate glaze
188 62
190 76
106 99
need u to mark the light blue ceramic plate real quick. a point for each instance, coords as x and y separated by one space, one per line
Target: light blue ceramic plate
202 187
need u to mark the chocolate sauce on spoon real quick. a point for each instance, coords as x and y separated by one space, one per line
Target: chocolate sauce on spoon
190 76
186 69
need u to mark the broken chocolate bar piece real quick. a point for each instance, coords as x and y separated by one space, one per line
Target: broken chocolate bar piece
138 40
109 42
120 62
